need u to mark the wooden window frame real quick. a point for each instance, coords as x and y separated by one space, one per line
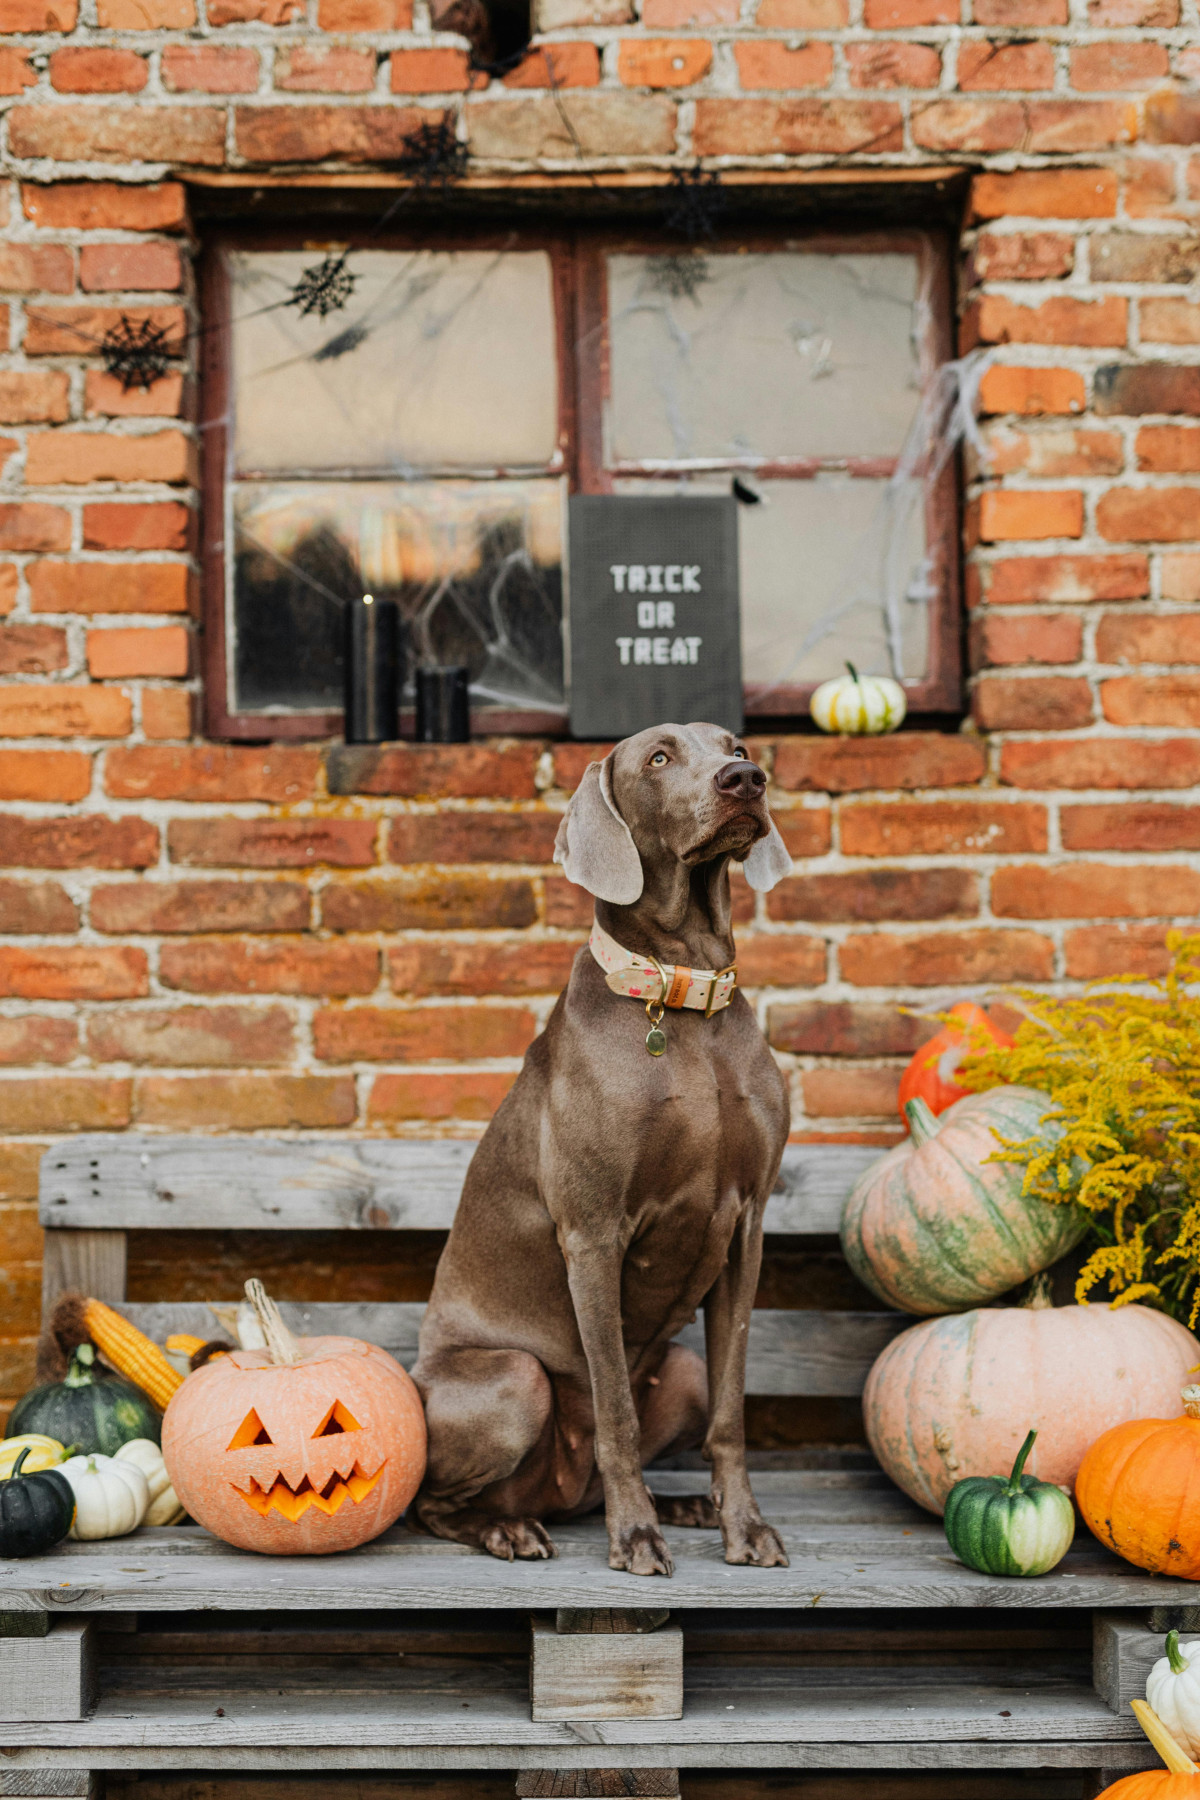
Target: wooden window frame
577 251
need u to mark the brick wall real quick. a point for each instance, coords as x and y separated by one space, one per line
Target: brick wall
197 937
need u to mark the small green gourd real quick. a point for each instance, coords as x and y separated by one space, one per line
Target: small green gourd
1009 1524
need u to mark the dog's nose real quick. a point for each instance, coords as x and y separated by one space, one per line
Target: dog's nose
741 778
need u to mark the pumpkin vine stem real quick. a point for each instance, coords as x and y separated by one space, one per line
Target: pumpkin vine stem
20 1463
1018 1468
922 1121
853 671
1178 1662
81 1373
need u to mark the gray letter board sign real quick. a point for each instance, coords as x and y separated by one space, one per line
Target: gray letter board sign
655 613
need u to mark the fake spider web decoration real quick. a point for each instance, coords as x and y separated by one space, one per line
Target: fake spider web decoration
325 288
136 352
432 154
695 201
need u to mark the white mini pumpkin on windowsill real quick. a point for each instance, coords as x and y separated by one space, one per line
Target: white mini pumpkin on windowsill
855 705
111 1497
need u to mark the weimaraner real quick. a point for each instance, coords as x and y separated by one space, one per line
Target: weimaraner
620 1186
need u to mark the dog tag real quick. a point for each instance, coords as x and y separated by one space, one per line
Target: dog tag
656 1040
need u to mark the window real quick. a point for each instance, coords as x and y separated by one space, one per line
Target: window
422 442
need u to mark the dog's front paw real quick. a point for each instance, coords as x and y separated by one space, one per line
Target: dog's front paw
512 1538
642 1550
755 1542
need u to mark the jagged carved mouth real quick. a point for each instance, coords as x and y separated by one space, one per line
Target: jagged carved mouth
293 1503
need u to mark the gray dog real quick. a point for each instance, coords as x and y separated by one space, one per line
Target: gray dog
620 1186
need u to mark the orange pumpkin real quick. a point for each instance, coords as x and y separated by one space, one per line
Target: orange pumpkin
930 1076
309 1446
1138 1489
955 1396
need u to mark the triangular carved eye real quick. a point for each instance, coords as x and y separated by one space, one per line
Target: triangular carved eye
338 1419
250 1431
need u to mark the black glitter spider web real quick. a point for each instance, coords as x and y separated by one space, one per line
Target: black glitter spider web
432 154
136 351
681 274
695 200
325 288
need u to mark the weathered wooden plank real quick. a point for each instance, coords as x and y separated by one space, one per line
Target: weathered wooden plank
91 1261
48 1678
827 1353
44 1784
598 1784
609 1619
1124 1650
24 1625
606 1674
137 1183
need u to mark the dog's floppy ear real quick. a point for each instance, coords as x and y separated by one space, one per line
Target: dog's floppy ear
594 844
768 861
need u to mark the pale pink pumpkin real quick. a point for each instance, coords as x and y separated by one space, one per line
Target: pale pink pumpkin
955 1396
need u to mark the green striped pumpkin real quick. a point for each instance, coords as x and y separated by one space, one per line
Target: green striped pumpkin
1009 1524
934 1227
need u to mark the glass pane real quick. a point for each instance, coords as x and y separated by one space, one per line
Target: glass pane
475 565
440 360
783 354
817 560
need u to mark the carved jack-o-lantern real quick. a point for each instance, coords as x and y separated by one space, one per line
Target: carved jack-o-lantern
309 1446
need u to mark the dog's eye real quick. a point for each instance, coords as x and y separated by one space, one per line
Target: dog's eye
659 760
740 752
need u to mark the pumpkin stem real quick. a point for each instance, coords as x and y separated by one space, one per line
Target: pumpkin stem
1191 1402
281 1345
18 1465
1163 1742
1018 1468
923 1123
81 1373
853 671
1038 1293
1178 1663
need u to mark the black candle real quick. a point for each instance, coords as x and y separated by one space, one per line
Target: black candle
443 707
371 648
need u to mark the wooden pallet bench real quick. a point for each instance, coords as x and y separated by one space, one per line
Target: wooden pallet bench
875 1649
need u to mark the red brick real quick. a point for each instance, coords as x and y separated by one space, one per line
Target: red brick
62 711
8 585
272 843
806 830
556 65
36 906
796 127
446 1094
61 1103
902 15
62 456
673 15
998 642
220 1036
111 267
29 396
215 772
1052 703
1083 323
1149 185
71 843
149 525
846 1028
1172 117
1065 127
105 206
887 65
1151 700
678 62
32 649
247 966
245 1102
147 15
1116 67
31 526
982 126
1132 15
433 71
464 966
441 771
104 397
769 63
312 69
38 15
1006 388
28 1040
1147 388
209 69
415 903
34 268
1149 637
942 828
876 894
1140 256
780 959
16 71
72 587
1169 449
1007 513
94 70
945 958
1095 890
174 907
850 1093
76 330
158 650
567 907
1001 67
1169 321
1103 763
421 1033
1181 576
906 760
1026 580
254 12
357 134
1142 515
364 15
161 134
1057 455
74 972
1096 951
166 713
1025 256
1147 825
572 760
449 837
1045 194
1020 12
45 774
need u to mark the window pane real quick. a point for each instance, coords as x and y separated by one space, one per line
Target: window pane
441 360
475 565
775 355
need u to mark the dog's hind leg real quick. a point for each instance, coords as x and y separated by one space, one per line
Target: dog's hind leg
490 1418
675 1417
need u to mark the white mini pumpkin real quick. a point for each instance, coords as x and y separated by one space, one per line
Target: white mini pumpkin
1173 1690
144 1454
111 1497
855 705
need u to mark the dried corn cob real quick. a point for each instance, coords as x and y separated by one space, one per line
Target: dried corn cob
131 1353
185 1343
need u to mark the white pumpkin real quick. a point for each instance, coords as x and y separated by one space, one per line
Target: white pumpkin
144 1454
111 1497
857 705
1173 1690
